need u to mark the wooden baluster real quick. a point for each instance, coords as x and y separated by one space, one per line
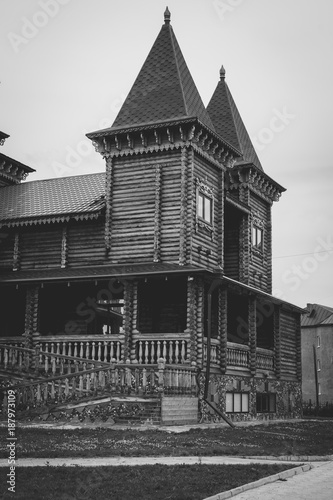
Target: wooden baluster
87 353
69 349
99 352
66 387
137 380
20 357
152 352
38 393
80 386
113 378
45 392
81 350
183 351
6 356
88 383
52 390
93 351
59 389
140 351
111 350
164 352
105 351
46 361
58 352
75 349
177 352
73 386
118 352
144 380
95 383
158 351
61 369
146 360
54 367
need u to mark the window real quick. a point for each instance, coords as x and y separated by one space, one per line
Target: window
205 207
237 402
257 238
266 402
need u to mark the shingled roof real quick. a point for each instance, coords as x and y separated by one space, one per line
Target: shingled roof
164 88
229 124
52 198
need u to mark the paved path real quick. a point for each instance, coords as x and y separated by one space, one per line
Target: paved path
315 484
116 461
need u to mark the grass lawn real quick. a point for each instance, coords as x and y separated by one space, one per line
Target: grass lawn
311 437
155 482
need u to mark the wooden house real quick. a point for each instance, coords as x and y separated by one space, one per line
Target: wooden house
162 265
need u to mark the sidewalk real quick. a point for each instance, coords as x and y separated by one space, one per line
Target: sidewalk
317 483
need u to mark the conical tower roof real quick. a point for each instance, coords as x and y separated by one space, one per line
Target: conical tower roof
164 88
229 124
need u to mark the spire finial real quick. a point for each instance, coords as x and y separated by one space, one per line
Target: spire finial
222 73
167 16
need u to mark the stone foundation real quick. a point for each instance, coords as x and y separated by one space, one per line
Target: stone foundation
287 395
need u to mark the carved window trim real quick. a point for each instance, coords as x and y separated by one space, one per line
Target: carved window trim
207 194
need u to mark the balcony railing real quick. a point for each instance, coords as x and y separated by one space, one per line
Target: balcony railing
145 349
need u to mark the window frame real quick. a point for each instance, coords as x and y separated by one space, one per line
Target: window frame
270 398
256 231
206 194
241 394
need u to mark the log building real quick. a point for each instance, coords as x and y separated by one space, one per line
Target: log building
166 257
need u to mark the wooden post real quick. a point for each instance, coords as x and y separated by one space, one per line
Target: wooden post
252 334
277 341
223 328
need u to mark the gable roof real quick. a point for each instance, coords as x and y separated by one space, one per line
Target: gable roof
52 199
229 124
317 315
164 88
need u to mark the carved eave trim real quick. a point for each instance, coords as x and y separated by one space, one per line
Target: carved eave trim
50 220
13 170
256 181
165 136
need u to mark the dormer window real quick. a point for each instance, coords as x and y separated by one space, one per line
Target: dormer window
257 238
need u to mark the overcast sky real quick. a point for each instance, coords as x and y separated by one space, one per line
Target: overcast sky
66 66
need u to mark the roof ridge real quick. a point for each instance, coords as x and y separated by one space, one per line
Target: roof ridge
62 177
178 70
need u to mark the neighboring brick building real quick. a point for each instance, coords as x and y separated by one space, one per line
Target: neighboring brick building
317 354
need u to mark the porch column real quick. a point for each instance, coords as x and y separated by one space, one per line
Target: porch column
191 321
298 348
223 327
31 315
128 319
252 334
200 321
277 342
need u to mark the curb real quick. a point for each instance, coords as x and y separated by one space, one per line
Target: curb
261 482
291 458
